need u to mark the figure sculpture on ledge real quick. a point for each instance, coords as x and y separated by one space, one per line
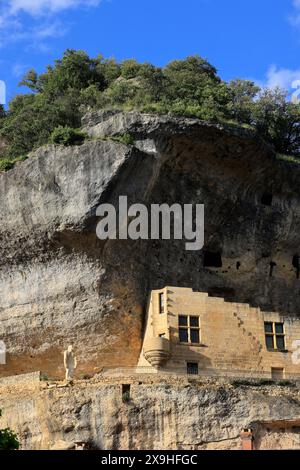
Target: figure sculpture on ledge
70 363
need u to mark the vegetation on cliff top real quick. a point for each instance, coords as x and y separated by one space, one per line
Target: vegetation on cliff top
189 87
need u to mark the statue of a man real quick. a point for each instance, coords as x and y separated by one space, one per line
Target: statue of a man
70 363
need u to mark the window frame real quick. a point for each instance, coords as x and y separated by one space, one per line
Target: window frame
274 335
196 364
161 302
188 328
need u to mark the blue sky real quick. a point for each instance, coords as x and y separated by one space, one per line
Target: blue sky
258 39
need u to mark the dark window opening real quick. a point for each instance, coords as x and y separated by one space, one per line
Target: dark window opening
194 321
161 303
296 265
267 199
272 266
195 338
192 368
280 342
189 329
212 260
125 392
269 342
183 320
183 335
238 265
275 337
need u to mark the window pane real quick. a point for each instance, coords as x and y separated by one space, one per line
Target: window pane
269 327
194 321
183 335
195 337
161 302
280 342
183 321
192 368
279 328
270 342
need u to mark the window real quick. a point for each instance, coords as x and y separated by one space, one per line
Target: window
161 303
192 368
212 260
277 373
267 199
125 392
275 338
189 329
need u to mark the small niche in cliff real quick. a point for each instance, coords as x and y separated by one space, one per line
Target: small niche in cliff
125 393
267 199
238 265
272 267
296 265
212 260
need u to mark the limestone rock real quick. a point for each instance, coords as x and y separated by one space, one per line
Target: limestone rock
163 413
60 285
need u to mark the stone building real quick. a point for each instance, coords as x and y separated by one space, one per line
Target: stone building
190 332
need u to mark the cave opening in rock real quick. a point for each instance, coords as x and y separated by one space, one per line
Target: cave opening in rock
267 199
238 265
212 260
272 267
296 265
125 392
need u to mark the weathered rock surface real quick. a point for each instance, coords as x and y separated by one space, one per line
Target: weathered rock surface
172 414
60 285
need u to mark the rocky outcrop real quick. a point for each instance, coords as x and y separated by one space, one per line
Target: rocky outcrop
165 413
60 285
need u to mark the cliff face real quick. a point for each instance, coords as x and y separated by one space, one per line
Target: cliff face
60 285
160 414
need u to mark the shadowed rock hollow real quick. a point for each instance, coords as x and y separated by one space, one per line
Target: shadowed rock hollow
60 285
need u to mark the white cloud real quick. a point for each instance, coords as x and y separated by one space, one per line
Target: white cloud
281 77
36 7
294 18
43 22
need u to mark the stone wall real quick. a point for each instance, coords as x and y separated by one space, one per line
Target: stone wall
163 413
232 335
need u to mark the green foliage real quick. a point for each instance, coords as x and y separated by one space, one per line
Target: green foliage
288 158
277 121
8 439
67 136
261 383
44 377
6 164
60 96
125 139
241 105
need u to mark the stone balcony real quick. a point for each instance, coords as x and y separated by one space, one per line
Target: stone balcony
157 351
